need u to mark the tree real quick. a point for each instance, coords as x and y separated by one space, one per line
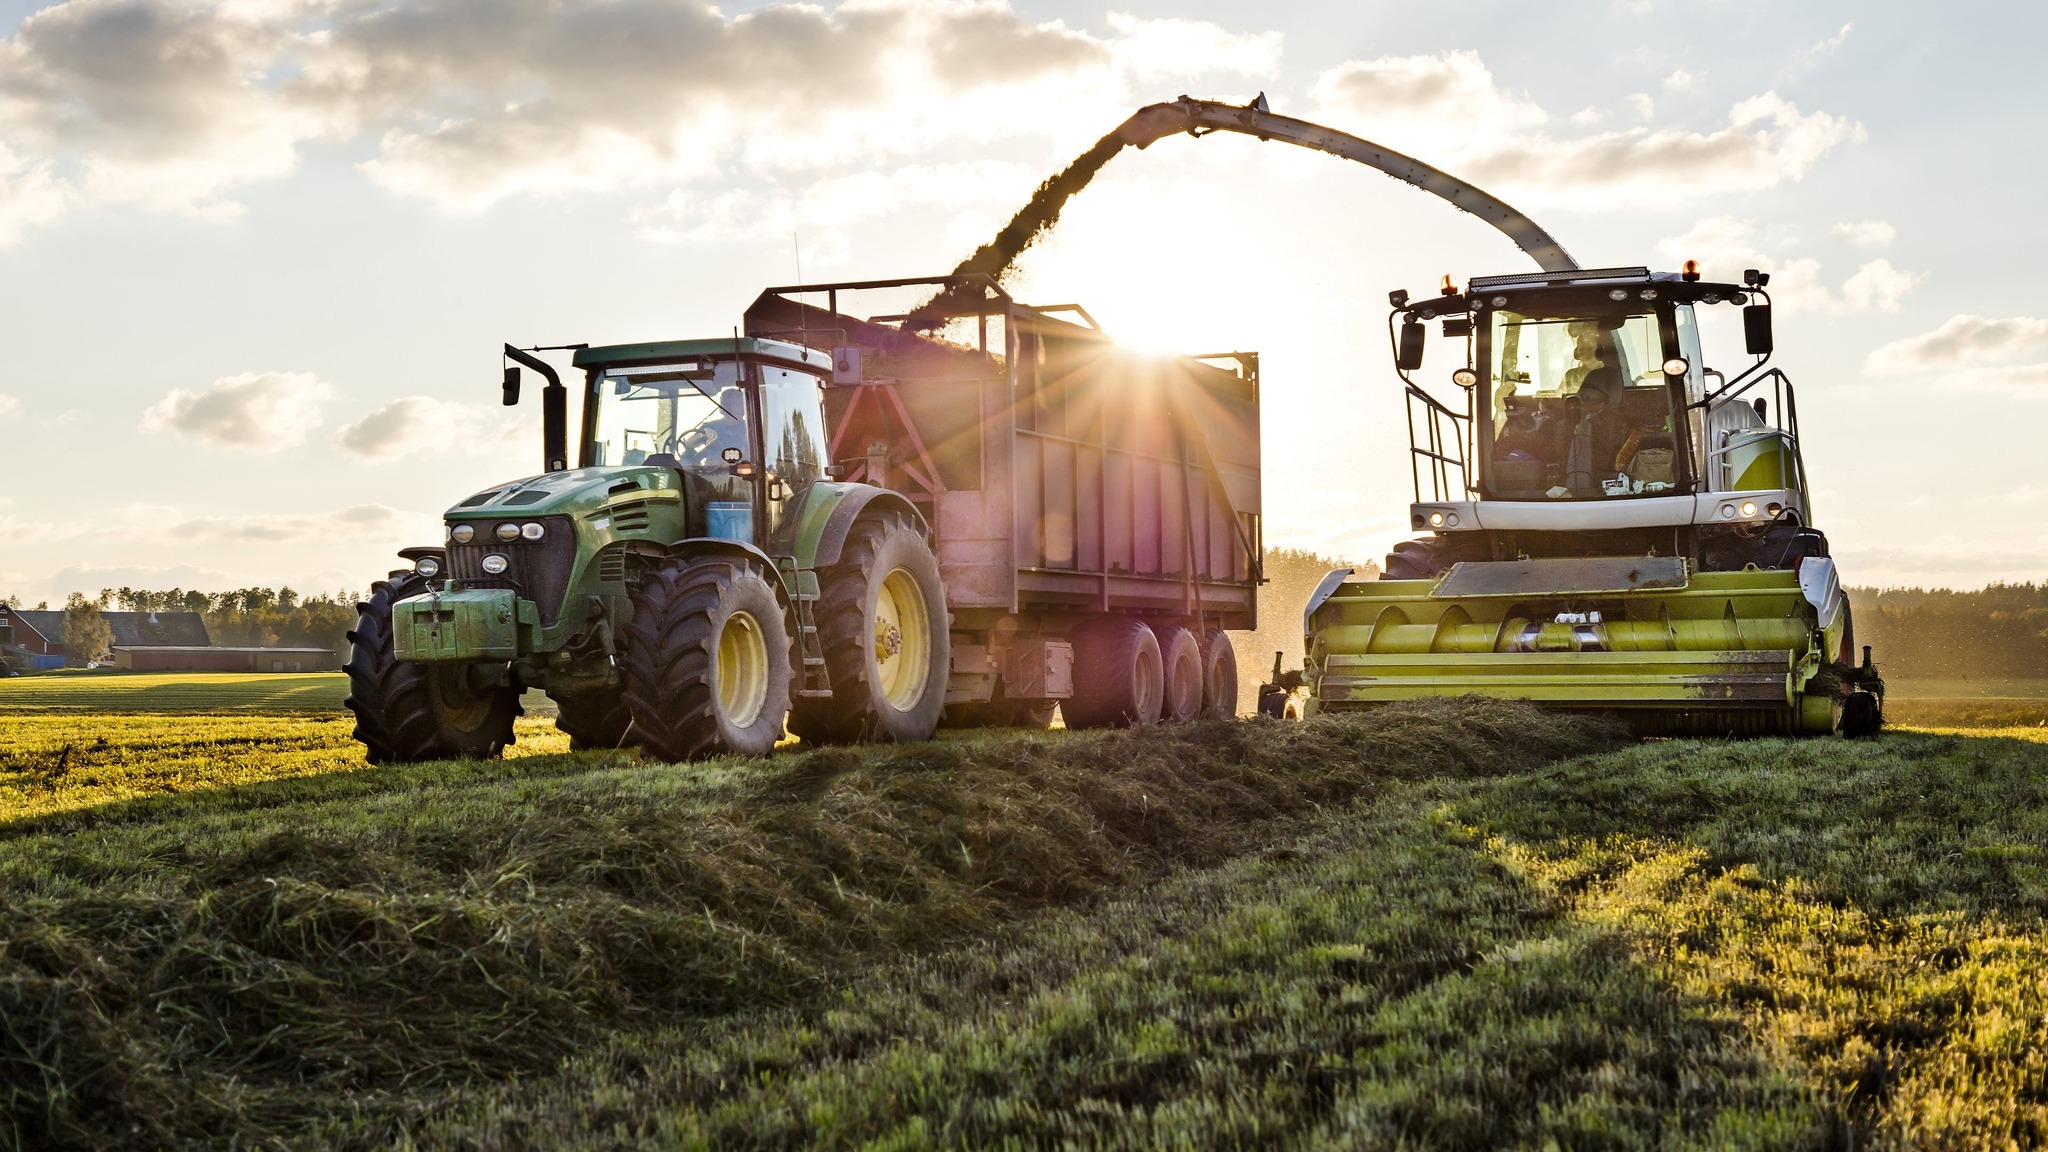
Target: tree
87 638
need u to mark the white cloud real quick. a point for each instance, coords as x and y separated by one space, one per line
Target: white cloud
9 405
1589 116
1642 105
256 411
1683 81
270 529
1867 233
1726 245
1965 341
1811 56
1877 285
821 211
417 425
1448 110
174 105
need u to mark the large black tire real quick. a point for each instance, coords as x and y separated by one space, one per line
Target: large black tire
407 712
888 646
1219 676
595 720
1180 656
1119 676
706 662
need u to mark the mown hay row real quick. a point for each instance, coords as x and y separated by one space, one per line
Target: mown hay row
169 981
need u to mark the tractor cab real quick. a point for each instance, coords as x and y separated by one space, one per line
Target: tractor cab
1586 402
741 422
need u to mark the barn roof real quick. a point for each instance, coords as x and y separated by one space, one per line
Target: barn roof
131 629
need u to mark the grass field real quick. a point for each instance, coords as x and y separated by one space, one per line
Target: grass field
1454 925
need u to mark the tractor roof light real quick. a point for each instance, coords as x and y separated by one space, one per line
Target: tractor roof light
507 532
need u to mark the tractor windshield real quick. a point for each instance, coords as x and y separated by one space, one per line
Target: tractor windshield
690 412
1579 406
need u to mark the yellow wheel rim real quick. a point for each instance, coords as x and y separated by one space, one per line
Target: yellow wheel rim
460 706
903 640
742 669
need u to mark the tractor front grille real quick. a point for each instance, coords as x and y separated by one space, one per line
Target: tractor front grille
538 570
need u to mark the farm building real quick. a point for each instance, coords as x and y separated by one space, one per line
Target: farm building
41 633
177 658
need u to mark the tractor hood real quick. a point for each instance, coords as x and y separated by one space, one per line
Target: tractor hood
577 491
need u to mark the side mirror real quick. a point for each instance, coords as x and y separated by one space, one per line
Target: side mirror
1408 355
511 385
1756 329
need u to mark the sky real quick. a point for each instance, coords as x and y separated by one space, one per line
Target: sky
257 258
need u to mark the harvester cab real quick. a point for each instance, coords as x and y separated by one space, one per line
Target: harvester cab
1613 523
696 579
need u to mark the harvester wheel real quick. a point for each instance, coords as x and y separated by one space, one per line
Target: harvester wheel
706 662
1119 676
887 637
1862 715
1219 676
594 720
407 712
1181 658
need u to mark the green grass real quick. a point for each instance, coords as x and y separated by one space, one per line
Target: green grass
1459 924
95 692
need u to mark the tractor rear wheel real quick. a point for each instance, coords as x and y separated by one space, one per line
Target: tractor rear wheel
1181 658
1119 676
407 712
595 721
883 624
706 661
1219 676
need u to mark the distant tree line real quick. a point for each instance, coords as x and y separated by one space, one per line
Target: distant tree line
244 617
1934 633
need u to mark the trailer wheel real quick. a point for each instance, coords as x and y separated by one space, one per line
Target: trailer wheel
1219 676
706 662
1181 658
594 721
407 712
1119 676
887 637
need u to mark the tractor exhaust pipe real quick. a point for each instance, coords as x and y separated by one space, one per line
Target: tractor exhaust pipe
554 409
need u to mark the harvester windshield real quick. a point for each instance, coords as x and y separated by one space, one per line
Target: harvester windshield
1580 405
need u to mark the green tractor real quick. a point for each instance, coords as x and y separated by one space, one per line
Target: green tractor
696 581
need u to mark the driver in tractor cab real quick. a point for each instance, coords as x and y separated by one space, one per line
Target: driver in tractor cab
726 427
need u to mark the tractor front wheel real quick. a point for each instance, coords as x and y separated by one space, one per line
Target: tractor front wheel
594 721
888 647
706 662
407 712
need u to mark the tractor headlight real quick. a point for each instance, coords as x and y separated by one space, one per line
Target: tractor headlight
496 564
533 531
1748 509
427 566
462 533
508 532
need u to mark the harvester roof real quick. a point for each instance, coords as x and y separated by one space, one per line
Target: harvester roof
747 347
1576 290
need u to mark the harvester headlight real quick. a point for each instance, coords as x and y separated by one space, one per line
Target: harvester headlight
1617 293
1451 518
1727 511
427 566
462 533
1748 509
1464 378
496 564
1774 510
533 531
1499 301
508 532
1648 294
1676 366
1436 519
